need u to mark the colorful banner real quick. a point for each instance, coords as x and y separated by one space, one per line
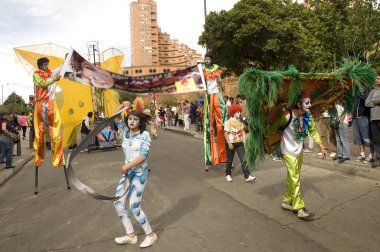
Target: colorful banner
186 80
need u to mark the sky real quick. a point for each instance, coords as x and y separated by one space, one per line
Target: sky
72 23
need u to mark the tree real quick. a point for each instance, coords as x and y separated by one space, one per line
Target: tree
272 34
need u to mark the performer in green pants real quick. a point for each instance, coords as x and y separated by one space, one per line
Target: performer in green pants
300 125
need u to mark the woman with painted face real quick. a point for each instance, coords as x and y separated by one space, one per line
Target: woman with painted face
235 137
136 143
300 125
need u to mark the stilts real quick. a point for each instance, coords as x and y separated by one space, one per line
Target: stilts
36 180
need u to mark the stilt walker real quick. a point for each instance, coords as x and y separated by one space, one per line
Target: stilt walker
46 115
215 115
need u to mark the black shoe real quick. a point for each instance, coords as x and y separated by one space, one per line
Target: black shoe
343 159
336 158
375 164
9 167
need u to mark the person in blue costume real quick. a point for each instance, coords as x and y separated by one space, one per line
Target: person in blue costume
136 144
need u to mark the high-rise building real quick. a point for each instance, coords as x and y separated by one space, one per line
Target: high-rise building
144 33
151 47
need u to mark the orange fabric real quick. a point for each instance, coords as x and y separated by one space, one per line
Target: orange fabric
220 143
54 124
42 94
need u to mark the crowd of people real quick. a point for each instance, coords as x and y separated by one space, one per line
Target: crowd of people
333 126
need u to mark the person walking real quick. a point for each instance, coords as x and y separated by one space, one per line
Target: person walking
300 124
235 137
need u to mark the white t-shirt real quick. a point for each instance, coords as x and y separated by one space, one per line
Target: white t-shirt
289 143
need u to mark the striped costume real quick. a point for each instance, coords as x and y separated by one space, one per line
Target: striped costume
214 109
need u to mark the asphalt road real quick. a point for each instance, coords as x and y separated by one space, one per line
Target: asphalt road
189 209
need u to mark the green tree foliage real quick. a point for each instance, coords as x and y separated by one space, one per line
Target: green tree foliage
14 103
272 34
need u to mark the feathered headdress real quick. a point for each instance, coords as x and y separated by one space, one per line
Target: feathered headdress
138 104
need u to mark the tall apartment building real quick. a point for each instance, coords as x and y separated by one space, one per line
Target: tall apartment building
151 47
144 33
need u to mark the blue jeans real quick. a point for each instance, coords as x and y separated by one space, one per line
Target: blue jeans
341 135
6 149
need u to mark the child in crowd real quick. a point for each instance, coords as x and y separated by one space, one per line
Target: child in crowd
235 138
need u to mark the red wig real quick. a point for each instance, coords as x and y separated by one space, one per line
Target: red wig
234 108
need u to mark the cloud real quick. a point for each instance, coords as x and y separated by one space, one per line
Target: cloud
72 23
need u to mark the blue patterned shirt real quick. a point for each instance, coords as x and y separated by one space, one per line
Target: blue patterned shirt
133 147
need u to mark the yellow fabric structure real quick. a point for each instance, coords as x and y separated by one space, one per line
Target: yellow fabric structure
73 100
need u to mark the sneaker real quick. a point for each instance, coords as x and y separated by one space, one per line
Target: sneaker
360 159
277 158
336 158
307 151
286 207
304 215
368 160
250 178
332 154
319 154
126 239
84 150
149 241
228 178
10 167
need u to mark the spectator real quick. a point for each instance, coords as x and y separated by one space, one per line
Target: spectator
85 128
193 112
6 140
327 134
199 119
161 116
342 135
373 102
362 130
186 114
23 121
168 112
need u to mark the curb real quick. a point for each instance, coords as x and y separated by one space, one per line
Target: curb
349 167
6 174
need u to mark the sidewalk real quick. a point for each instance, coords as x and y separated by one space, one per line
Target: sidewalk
349 167
18 161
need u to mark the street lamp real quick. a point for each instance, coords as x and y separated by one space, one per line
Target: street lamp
2 93
205 9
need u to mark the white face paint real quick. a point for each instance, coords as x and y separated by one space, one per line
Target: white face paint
306 105
133 122
207 60
237 115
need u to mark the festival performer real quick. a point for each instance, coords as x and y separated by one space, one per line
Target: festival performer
136 142
153 127
300 125
46 113
235 138
214 109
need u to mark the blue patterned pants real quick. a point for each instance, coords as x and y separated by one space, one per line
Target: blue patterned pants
138 181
